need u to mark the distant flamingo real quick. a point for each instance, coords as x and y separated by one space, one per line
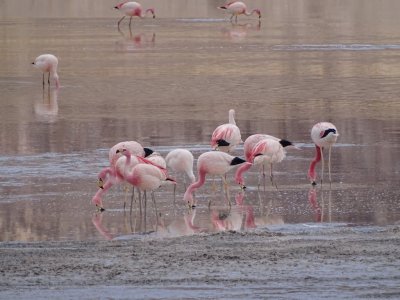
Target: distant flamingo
324 135
266 151
237 8
211 163
47 63
226 136
250 145
132 9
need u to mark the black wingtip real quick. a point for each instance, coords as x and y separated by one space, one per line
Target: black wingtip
237 161
222 143
147 152
285 143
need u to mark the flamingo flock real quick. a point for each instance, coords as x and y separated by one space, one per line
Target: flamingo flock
147 170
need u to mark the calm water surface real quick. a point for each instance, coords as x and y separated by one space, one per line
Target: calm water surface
168 83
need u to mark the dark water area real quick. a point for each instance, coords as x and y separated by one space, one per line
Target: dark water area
168 82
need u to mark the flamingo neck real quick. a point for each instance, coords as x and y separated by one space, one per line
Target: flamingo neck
240 171
149 10
254 11
56 78
312 175
232 117
195 185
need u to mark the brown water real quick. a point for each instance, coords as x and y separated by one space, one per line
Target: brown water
169 82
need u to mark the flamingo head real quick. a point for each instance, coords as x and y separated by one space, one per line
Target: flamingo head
118 6
258 12
100 183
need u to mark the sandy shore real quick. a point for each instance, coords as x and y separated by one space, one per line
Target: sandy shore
294 263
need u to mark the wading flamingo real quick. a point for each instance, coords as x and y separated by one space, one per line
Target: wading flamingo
132 9
237 8
248 147
324 135
266 151
211 163
226 136
47 63
148 178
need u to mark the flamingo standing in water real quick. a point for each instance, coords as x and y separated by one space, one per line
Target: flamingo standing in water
47 63
237 8
211 163
324 135
249 147
226 136
266 151
132 9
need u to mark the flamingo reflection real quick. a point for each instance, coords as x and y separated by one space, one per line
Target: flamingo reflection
137 41
47 109
238 32
319 210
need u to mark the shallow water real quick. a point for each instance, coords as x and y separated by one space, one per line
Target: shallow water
168 83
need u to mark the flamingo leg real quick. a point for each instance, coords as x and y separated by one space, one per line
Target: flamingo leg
48 79
145 208
155 208
231 17
329 166
272 178
130 21
322 165
120 20
132 198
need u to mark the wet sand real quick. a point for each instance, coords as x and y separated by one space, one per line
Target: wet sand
310 262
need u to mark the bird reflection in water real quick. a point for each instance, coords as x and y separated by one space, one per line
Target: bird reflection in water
319 210
46 109
238 32
133 42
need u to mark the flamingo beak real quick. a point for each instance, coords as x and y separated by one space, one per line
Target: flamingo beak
100 183
99 208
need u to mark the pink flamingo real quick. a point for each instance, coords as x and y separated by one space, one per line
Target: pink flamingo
132 146
181 161
237 8
47 63
226 136
132 9
271 149
266 151
148 177
324 135
211 163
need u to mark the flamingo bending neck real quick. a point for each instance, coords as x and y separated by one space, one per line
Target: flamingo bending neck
195 185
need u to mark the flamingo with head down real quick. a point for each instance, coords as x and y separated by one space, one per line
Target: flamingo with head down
211 163
250 145
236 8
133 9
324 135
48 63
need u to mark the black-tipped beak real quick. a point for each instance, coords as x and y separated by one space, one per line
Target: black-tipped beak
33 63
313 183
154 16
99 208
243 187
116 7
